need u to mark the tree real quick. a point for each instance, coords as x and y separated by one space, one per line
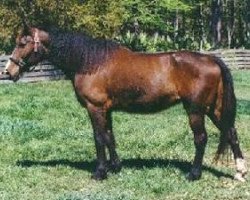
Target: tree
143 25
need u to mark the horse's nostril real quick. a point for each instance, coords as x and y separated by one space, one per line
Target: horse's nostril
5 72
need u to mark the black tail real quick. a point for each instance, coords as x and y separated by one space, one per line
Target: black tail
228 106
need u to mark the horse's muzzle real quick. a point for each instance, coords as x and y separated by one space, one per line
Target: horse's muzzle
5 72
6 75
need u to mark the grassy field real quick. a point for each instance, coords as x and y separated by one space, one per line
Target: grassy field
47 149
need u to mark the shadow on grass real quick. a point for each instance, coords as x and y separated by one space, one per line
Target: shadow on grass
136 163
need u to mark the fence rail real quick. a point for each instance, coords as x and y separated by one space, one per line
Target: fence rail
235 59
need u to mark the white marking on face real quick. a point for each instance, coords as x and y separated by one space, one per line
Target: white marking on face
7 65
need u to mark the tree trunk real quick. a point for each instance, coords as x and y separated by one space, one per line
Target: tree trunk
247 21
201 27
216 22
176 26
230 22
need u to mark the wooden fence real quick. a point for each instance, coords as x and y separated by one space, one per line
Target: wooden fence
235 59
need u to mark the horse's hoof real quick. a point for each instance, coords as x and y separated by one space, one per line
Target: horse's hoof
99 175
241 166
193 175
115 167
239 177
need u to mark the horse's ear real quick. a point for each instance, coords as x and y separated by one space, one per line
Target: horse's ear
27 30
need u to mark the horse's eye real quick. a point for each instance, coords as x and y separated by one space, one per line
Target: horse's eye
23 41
21 45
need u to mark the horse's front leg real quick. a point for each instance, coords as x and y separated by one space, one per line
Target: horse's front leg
99 124
115 163
196 121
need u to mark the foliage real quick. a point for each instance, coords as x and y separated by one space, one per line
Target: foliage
101 18
47 149
144 42
185 24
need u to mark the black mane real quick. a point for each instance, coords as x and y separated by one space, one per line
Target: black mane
78 51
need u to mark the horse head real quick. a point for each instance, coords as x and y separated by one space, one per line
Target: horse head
31 48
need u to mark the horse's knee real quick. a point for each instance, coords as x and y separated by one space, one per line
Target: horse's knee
99 139
108 138
200 139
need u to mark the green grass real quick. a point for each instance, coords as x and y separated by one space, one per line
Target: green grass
47 150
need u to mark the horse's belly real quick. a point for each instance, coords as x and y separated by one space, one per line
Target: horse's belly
146 103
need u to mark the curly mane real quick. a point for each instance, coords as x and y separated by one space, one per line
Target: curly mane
79 52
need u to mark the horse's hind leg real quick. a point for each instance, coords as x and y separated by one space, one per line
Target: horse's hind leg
232 140
115 164
196 121
240 162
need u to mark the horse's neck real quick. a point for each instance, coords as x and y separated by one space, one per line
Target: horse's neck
64 57
79 53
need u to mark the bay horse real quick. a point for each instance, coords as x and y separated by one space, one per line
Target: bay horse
108 76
